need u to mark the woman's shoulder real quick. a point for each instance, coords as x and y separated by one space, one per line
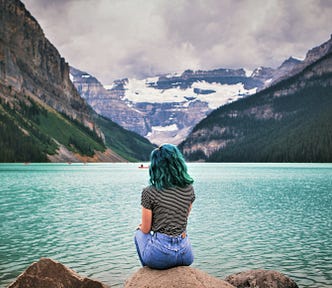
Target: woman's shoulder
188 187
152 190
149 192
149 189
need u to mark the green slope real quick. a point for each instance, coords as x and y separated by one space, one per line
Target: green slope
304 135
288 122
127 144
29 132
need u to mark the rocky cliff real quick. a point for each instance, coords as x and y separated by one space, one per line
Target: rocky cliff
31 64
290 121
42 116
312 56
273 76
108 103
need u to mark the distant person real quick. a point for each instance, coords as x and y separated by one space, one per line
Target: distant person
161 239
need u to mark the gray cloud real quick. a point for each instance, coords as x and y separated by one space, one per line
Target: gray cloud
113 39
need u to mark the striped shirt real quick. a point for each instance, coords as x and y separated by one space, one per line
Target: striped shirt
169 208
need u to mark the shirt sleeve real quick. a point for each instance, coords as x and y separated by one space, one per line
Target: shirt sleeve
146 200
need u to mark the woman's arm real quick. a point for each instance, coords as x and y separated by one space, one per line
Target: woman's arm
145 227
191 205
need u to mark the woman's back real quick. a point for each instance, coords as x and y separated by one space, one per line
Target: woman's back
170 208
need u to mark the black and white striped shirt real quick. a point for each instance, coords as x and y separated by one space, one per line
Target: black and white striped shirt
169 208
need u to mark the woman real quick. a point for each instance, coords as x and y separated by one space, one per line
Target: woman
161 239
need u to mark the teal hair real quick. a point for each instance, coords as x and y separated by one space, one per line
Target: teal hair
168 168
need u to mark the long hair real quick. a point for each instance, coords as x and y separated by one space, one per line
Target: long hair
168 168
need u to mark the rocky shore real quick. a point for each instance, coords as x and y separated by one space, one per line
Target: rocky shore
51 274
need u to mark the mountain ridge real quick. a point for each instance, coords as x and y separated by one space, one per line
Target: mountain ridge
165 108
289 121
43 117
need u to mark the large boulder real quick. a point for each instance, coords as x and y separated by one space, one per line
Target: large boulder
182 276
261 279
51 274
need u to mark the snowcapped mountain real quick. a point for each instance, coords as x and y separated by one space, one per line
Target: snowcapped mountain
290 121
165 108
177 89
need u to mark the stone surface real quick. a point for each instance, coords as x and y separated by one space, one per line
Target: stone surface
261 279
31 65
182 276
51 274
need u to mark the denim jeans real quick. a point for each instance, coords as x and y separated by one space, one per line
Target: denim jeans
160 251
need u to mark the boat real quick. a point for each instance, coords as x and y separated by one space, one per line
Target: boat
143 167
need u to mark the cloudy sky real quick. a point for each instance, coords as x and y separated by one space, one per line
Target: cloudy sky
113 39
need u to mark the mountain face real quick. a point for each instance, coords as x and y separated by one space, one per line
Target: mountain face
282 71
293 66
105 103
290 121
29 62
42 116
165 108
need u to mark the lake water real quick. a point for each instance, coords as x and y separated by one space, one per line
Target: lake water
246 216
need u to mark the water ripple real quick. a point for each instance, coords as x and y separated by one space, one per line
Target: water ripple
246 216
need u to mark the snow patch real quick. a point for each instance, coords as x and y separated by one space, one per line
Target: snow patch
138 91
109 87
268 81
224 93
151 80
172 127
248 72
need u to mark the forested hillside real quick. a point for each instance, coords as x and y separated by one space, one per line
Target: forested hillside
127 144
32 132
288 122
29 132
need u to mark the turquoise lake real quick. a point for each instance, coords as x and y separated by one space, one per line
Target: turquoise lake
246 216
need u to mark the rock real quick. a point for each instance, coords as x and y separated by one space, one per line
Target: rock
261 279
31 64
182 276
51 274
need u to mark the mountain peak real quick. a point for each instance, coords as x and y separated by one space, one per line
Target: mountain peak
291 61
288 122
318 52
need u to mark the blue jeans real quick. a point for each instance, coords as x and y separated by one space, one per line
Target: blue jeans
160 251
